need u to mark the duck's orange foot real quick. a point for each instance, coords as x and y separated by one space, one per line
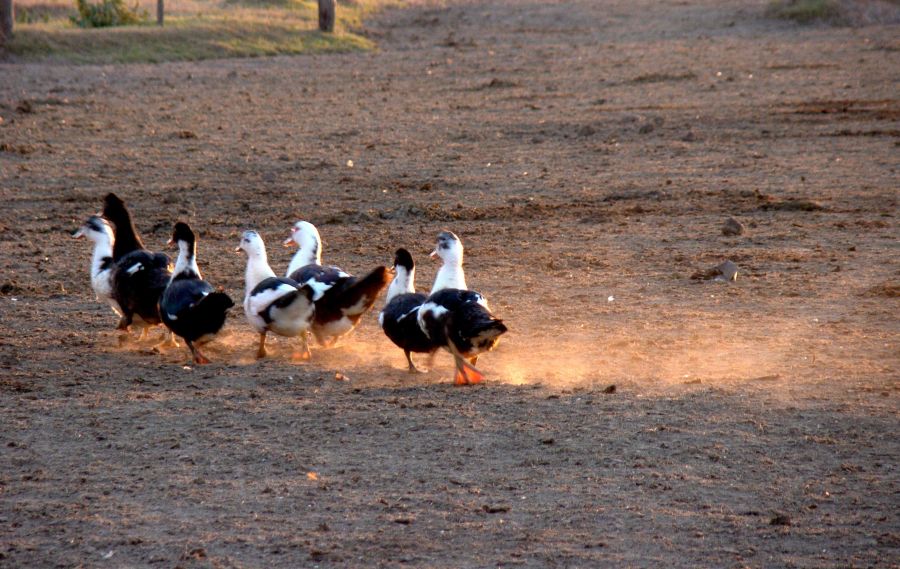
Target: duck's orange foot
301 356
474 375
468 375
200 359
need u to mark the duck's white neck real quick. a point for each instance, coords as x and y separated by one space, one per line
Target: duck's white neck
103 248
450 275
258 270
186 264
308 253
404 282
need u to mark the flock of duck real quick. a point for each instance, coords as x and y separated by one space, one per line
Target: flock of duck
145 290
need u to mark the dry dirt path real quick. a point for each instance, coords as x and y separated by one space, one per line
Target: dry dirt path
585 151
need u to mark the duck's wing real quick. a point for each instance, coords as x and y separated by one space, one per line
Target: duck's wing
182 296
271 291
322 279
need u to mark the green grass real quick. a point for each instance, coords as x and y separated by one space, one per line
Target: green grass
805 11
199 30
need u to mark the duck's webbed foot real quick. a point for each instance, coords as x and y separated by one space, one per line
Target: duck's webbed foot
169 340
466 374
303 354
326 341
412 367
198 357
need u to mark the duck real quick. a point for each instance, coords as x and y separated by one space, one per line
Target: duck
340 298
455 318
190 307
140 276
274 304
399 317
100 233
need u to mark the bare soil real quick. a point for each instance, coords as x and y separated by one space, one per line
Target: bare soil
588 154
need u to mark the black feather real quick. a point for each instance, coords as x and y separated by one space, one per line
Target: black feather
402 258
127 239
198 309
401 325
139 291
463 322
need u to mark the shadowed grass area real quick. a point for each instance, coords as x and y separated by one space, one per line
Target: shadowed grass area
837 12
198 30
805 10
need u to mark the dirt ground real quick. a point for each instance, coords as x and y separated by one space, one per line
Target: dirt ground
588 154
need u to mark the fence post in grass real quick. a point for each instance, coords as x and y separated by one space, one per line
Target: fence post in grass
159 12
326 15
7 16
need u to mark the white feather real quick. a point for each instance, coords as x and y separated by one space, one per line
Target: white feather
257 303
429 308
319 288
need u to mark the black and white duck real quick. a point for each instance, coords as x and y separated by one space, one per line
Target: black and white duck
341 299
399 318
190 307
140 276
100 233
274 304
455 318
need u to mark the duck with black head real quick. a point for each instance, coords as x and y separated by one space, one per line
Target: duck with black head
399 318
190 307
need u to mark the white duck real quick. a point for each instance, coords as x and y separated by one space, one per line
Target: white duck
274 304
100 232
455 318
341 299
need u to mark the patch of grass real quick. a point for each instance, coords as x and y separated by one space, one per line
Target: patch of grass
107 13
805 10
199 29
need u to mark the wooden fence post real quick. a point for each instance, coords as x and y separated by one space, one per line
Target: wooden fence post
159 12
326 15
7 17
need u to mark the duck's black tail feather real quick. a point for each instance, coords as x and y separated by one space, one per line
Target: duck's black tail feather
215 303
358 298
213 309
471 327
139 280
